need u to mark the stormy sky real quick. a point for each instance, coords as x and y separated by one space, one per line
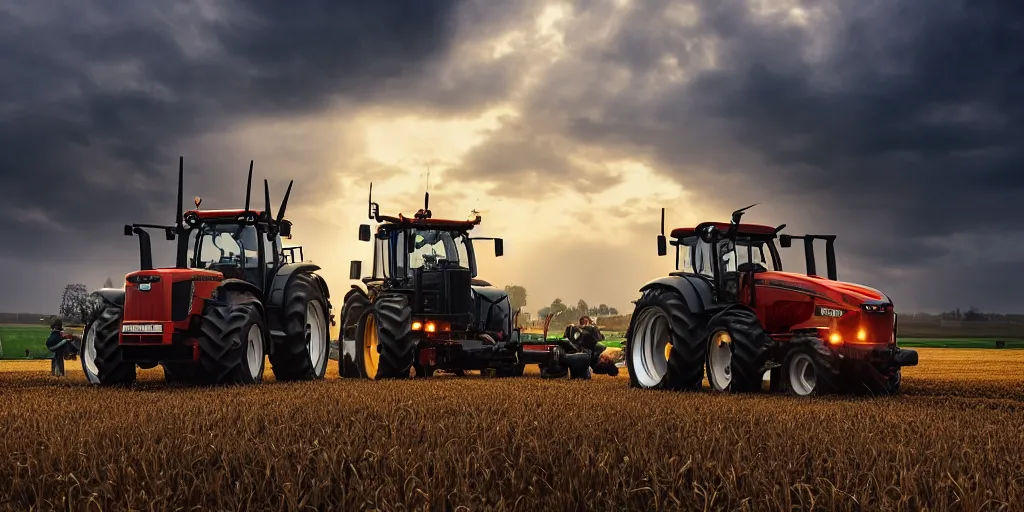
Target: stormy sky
896 125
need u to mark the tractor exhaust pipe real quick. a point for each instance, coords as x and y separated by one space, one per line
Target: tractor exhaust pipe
179 226
145 249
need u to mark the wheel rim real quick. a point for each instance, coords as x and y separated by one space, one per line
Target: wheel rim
720 360
315 327
650 347
370 355
254 352
802 378
89 356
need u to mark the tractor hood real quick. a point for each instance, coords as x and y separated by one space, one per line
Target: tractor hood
838 291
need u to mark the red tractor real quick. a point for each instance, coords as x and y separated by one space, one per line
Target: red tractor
731 311
232 298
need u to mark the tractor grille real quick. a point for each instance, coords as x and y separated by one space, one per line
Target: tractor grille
181 300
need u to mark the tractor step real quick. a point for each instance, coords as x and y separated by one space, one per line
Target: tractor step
277 334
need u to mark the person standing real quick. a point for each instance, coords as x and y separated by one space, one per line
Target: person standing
58 344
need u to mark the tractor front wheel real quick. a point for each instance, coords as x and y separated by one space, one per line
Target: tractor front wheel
384 339
302 353
737 349
807 369
663 346
232 341
102 361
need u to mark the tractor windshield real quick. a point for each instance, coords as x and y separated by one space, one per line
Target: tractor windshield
695 256
402 250
226 244
431 247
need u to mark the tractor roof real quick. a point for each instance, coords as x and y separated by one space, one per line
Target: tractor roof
230 215
753 230
419 221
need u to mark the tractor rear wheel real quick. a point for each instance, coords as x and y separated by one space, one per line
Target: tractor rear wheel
737 350
102 361
807 369
384 339
302 353
663 347
232 342
354 306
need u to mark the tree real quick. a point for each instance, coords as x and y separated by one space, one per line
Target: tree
72 304
603 310
582 308
516 296
613 312
109 283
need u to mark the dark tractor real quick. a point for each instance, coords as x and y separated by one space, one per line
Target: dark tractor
425 310
230 300
732 313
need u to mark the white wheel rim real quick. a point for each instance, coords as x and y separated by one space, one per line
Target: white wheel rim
315 327
254 352
89 356
647 348
720 360
802 378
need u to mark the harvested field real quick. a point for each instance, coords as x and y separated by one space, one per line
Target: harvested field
953 441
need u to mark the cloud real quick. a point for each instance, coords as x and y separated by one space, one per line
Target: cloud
98 98
893 124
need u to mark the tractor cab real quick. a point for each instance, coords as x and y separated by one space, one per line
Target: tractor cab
749 251
226 242
431 260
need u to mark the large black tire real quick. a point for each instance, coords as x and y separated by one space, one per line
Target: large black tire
685 365
392 318
826 373
293 354
111 368
355 305
224 341
751 347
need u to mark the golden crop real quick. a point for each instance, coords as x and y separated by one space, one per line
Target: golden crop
953 441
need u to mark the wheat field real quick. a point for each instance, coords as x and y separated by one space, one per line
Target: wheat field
954 440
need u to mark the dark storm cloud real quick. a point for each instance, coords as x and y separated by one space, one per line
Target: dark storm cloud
97 98
894 124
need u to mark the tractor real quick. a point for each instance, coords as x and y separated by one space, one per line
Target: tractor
424 309
730 311
232 299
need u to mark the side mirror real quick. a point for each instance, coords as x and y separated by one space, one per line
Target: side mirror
662 245
364 232
785 241
128 230
286 229
499 247
355 270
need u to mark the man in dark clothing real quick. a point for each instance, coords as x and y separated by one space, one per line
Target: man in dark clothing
584 352
58 344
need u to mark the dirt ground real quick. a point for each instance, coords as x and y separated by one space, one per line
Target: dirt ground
954 440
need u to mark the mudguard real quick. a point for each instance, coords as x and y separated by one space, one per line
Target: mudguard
114 296
696 290
284 274
241 285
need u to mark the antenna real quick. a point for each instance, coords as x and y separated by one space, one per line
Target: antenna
736 215
181 178
284 203
662 221
248 187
